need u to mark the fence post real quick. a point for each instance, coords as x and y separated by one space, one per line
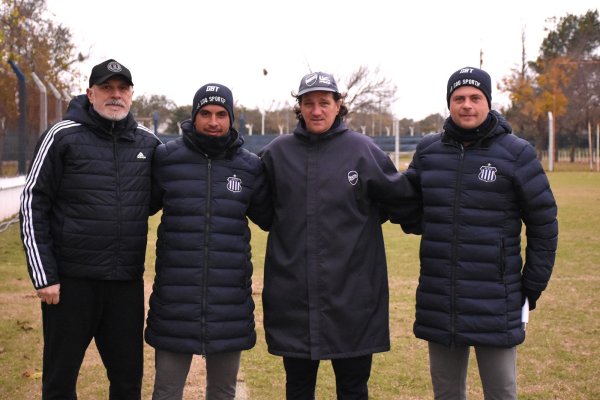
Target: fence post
396 126
598 147
22 116
67 98
43 102
550 142
57 96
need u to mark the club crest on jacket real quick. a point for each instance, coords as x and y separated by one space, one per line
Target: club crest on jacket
234 184
487 173
353 177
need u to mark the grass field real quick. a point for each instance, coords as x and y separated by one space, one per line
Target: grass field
559 359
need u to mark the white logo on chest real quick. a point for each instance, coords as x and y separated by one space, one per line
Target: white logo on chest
353 177
487 173
234 184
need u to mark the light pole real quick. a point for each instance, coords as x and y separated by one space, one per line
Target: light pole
263 110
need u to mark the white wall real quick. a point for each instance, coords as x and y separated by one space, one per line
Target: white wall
10 194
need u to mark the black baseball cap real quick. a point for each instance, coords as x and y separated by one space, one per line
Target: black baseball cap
106 70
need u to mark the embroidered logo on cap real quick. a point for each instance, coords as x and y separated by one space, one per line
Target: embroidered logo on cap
114 66
323 80
310 80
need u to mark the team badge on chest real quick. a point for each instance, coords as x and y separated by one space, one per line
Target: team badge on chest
487 173
234 184
353 177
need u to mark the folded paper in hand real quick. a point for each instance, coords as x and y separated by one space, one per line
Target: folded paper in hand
525 313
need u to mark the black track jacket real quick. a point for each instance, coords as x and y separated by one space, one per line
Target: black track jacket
85 205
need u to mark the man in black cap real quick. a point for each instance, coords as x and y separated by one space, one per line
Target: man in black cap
201 303
84 222
479 183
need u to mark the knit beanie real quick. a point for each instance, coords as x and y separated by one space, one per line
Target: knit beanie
213 93
470 76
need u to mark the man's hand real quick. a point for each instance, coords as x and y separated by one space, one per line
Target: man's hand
50 294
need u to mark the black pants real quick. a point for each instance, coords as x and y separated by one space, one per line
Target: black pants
351 377
111 312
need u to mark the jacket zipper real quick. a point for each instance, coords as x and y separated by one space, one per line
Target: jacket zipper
454 244
206 243
118 189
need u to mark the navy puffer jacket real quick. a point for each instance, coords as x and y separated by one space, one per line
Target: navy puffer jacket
475 200
202 295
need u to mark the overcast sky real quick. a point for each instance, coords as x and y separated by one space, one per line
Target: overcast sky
174 47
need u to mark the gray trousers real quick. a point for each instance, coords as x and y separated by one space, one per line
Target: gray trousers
172 370
497 370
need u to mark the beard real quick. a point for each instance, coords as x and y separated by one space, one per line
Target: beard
111 115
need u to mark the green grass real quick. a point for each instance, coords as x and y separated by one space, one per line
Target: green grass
559 359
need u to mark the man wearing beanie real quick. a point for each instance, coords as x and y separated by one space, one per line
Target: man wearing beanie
207 186
479 184
84 220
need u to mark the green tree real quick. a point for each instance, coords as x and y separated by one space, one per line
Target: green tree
431 123
36 45
407 126
569 64
176 116
564 80
522 114
144 107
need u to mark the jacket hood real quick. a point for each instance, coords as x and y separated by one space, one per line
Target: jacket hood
81 110
502 126
337 128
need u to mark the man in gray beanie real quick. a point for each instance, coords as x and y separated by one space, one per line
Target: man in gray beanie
479 184
207 186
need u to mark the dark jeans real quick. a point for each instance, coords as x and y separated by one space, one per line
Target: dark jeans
111 313
351 377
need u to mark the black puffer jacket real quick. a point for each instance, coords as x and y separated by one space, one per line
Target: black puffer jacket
85 205
475 201
201 301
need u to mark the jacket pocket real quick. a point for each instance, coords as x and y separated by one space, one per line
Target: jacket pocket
502 259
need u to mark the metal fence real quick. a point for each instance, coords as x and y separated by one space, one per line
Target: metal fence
37 105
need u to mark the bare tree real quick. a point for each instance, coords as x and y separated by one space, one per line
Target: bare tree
369 92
